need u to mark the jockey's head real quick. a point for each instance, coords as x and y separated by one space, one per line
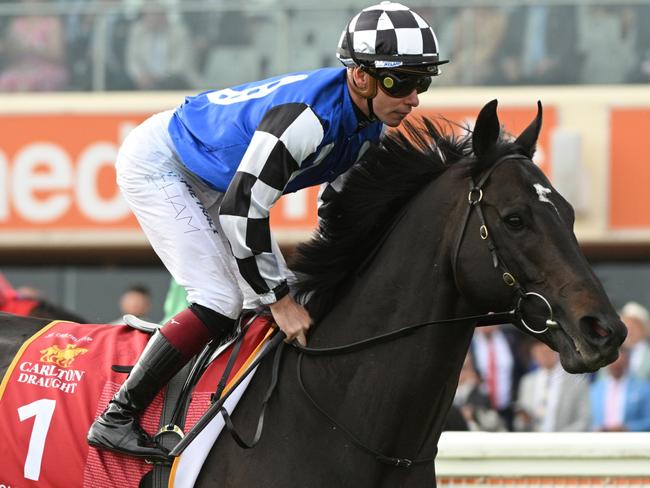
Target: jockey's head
391 53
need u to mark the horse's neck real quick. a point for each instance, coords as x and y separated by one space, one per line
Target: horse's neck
411 381
410 278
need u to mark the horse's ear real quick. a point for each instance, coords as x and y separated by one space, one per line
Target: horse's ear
486 129
528 138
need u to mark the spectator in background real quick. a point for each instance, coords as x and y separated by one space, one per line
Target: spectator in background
539 46
472 401
159 51
12 301
473 36
217 29
499 366
232 47
175 300
109 35
78 26
31 292
606 41
640 72
29 301
620 402
637 320
136 300
33 47
550 399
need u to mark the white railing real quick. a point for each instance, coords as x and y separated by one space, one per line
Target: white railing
484 459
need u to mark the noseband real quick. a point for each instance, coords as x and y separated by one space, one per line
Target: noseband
475 197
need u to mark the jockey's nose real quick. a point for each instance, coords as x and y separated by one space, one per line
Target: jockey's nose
413 99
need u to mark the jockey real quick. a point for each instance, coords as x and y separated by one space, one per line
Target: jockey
201 180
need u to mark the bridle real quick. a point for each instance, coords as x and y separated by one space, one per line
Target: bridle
475 198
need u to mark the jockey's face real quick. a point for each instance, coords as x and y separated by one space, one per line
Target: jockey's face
390 110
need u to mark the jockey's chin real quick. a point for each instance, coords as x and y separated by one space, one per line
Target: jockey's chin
395 119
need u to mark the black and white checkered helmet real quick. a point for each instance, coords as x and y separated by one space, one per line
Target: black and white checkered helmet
389 35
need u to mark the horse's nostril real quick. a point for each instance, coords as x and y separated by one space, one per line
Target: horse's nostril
599 330
593 326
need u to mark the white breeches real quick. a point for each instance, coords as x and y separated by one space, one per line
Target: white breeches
179 213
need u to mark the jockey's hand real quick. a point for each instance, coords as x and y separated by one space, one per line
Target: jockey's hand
292 318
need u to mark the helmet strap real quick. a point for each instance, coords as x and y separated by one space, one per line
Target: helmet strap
371 112
369 92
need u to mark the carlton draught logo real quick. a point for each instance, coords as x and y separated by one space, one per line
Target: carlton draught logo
52 370
61 357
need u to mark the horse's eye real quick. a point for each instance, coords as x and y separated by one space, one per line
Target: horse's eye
514 221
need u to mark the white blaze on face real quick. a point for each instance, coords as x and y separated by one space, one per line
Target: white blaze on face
542 193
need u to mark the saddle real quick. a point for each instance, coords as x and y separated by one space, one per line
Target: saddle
140 324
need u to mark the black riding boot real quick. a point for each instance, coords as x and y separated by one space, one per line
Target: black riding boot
118 429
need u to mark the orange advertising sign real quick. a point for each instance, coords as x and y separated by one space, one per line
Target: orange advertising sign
56 170
514 120
629 170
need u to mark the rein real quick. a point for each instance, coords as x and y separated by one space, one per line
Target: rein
401 462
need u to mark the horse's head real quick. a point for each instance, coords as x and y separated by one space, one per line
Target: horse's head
520 232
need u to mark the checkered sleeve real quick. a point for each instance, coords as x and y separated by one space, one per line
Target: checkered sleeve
328 191
285 137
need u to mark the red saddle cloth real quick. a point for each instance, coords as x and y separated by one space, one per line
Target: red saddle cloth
59 382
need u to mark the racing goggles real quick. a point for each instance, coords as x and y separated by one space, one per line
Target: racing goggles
400 85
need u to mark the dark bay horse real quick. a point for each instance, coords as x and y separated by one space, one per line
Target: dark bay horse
429 227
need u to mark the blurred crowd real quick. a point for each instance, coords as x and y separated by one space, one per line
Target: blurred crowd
511 382
548 44
113 45
160 45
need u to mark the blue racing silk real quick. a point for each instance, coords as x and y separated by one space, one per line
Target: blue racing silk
212 131
257 141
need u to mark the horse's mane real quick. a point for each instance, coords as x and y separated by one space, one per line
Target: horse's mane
374 193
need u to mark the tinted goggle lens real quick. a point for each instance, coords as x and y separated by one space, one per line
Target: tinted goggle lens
402 86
